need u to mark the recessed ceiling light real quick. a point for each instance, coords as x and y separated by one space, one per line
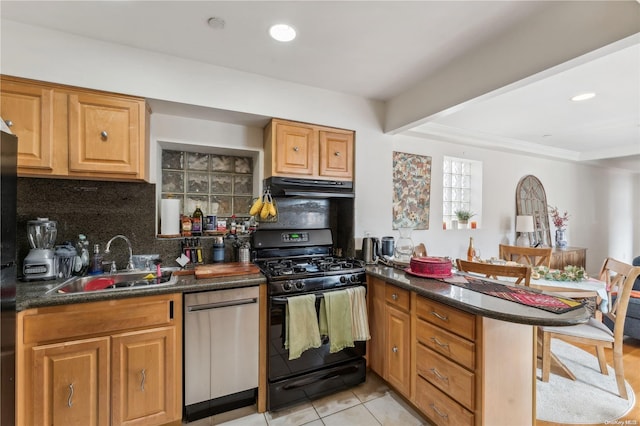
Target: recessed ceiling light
583 96
282 32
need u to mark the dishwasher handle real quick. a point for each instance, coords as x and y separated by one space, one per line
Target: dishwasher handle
225 304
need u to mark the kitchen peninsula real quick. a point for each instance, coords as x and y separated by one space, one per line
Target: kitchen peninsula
459 356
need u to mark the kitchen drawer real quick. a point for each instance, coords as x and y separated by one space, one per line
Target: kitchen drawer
446 375
441 409
96 318
454 347
398 297
451 319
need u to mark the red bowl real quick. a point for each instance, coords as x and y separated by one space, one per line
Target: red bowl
430 267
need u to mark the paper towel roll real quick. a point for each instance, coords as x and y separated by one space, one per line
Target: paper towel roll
170 216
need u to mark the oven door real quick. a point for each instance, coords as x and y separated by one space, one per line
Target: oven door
280 367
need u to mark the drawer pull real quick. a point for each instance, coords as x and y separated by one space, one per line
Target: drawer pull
438 412
337 153
394 296
70 399
438 375
144 378
439 343
104 135
296 149
440 316
9 123
394 349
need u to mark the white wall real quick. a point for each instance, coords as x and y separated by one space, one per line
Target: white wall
603 204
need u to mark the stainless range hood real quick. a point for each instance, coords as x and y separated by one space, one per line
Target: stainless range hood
310 188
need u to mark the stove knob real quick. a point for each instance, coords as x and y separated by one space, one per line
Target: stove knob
286 286
343 279
354 278
299 285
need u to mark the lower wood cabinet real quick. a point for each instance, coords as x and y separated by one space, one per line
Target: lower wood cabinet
126 371
390 348
398 356
445 364
71 383
455 367
142 379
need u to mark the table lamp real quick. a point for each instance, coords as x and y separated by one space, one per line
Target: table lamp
524 225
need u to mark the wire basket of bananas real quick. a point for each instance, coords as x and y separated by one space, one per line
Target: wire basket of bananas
264 208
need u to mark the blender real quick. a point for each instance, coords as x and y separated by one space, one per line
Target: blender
40 263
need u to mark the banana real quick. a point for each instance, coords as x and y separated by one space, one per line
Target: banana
264 213
256 207
272 209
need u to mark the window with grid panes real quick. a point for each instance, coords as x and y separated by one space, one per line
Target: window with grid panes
461 188
221 185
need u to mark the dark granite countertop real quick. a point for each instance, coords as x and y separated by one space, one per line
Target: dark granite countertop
33 294
477 303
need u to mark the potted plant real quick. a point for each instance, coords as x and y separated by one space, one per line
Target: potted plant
464 216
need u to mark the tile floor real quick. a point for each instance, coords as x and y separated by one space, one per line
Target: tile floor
369 404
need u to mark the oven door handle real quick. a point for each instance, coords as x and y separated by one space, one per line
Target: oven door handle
319 295
284 300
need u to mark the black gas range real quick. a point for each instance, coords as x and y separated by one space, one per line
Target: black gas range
301 262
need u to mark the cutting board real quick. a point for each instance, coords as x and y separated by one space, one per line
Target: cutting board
226 270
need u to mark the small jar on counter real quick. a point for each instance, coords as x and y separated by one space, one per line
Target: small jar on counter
218 250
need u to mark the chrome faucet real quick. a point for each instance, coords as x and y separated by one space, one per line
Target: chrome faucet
130 266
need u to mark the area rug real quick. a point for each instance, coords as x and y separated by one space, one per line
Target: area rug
591 399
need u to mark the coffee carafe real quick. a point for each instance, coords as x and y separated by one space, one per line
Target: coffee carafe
370 249
40 263
387 246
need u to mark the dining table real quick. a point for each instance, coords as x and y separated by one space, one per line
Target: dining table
588 289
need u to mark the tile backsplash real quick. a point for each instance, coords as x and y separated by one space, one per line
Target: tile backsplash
100 210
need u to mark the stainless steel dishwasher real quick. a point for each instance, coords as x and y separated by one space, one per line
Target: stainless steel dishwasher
220 351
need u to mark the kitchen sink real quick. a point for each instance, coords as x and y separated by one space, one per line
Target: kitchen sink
117 281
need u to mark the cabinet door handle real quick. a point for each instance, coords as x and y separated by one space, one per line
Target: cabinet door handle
70 399
394 296
394 349
104 135
144 378
337 153
439 316
296 149
9 123
438 412
439 343
438 375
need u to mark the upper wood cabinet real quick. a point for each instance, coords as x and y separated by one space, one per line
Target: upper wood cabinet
76 133
308 151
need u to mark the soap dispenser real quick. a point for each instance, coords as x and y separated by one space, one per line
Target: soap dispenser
82 262
96 262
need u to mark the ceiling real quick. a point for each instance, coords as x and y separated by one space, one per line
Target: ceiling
381 49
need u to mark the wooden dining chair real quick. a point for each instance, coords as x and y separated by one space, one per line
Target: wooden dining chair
619 277
521 273
533 256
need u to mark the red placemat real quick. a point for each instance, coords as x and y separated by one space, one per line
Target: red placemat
522 295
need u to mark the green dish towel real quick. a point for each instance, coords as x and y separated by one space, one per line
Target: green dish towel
336 320
301 325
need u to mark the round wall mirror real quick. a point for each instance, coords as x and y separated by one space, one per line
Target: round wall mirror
531 200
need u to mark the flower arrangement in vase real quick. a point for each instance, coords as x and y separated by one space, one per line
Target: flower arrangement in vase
560 222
